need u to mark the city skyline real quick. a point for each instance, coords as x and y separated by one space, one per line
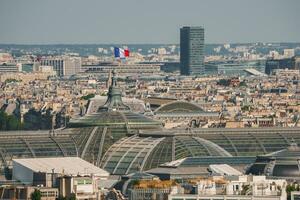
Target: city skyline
76 22
154 100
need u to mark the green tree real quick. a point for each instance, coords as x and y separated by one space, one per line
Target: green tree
290 188
11 80
243 84
13 123
72 197
2 120
9 122
32 120
61 198
35 120
87 97
36 195
224 82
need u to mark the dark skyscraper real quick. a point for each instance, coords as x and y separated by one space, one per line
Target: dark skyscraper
192 50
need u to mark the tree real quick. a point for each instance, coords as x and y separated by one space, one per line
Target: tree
13 123
87 97
72 196
36 195
290 188
35 120
61 198
9 122
11 80
3 120
224 82
243 84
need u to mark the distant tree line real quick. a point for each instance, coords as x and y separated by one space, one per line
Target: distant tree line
33 120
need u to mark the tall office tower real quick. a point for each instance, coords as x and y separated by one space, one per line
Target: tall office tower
192 50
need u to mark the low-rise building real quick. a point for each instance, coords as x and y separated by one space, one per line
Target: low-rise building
235 188
44 171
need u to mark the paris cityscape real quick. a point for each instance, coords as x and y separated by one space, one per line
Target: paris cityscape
156 100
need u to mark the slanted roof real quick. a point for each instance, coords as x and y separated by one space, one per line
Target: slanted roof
224 169
293 151
65 165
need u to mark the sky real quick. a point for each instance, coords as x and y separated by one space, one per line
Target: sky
147 21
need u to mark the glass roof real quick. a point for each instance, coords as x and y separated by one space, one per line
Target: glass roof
179 106
140 153
125 154
114 118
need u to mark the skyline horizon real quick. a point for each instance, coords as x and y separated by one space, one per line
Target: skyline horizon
147 22
44 44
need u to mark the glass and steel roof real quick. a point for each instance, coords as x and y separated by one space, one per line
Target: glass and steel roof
115 118
109 147
89 143
284 163
139 153
173 146
199 161
179 106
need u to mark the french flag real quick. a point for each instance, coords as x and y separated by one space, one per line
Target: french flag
121 53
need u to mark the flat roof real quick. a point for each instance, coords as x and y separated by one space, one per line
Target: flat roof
65 165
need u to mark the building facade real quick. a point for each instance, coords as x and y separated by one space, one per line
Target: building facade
13 68
235 188
192 51
123 69
63 66
275 64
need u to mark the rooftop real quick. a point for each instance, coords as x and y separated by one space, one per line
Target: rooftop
114 112
65 165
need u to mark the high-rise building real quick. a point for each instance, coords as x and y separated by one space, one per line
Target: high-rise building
192 50
63 66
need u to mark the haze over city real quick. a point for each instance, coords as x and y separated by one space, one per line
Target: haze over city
150 100
155 21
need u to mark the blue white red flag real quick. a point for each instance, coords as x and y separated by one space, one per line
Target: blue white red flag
121 53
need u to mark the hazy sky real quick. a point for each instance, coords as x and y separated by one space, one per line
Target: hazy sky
147 21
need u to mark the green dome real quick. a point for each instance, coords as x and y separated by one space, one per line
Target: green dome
115 113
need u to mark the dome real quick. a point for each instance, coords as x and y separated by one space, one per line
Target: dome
283 163
178 106
112 121
114 113
136 153
149 149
